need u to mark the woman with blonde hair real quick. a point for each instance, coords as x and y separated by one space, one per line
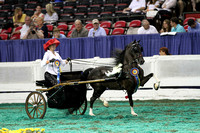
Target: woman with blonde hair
166 27
19 17
51 15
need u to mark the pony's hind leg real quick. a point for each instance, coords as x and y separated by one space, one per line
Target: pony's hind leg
105 103
131 104
96 94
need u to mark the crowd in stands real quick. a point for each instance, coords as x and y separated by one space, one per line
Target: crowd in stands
35 19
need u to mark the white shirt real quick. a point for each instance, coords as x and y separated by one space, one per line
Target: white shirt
51 67
152 6
169 4
151 30
137 4
23 30
54 17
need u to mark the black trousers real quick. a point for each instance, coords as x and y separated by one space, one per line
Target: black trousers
52 79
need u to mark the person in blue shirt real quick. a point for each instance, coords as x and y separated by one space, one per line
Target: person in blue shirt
96 30
57 34
193 26
176 27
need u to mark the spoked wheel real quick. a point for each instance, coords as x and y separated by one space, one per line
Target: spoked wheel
35 105
81 110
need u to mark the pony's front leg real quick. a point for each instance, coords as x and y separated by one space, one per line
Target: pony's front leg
92 99
131 104
144 79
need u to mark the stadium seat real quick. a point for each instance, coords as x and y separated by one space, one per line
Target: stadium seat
100 2
69 33
82 9
106 14
120 7
107 31
15 37
50 27
93 15
112 1
118 31
120 24
68 10
79 15
66 16
89 26
63 27
62 32
186 20
49 35
84 2
105 24
73 26
4 36
135 23
95 8
6 31
186 28
109 8
18 28
70 3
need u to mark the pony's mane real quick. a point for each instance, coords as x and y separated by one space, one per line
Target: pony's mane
119 55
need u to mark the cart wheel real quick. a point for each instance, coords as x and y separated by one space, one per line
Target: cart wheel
35 105
81 110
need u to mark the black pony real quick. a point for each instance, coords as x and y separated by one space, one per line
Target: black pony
130 77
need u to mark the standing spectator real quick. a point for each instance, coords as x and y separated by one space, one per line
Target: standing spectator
166 27
194 26
147 28
19 17
57 34
24 28
79 30
164 51
42 27
176 27
136 6
96 30
37 13
51 16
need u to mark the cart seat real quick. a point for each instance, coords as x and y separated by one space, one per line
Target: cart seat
43 83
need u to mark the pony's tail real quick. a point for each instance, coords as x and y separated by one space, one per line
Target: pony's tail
85 74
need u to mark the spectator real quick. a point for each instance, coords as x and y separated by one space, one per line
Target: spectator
79 30
164 51
168 4
2 2
33 33
24 28
166 27
147 28
37 13
51 16
196 5
96 30
48 61
152 5
136 6
181 5
19 17
42 27
56 33
176 27
193 26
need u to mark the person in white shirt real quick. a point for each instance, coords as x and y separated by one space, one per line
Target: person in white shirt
51 16
48 61
147 28
168 4
136 6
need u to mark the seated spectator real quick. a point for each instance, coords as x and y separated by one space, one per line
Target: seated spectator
147 28
42 27
96 30
166 27
56 33
152 5
79 30
196 5
19 17
37 13
193 26
51 16
176 27
168 4
136 6
2 2
33 33
24 28
164 51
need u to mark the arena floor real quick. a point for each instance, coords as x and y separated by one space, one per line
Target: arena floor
180 116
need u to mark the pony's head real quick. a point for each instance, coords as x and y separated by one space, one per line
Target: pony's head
135 51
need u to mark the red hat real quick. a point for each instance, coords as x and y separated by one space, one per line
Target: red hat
50 42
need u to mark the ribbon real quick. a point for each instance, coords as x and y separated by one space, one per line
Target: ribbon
57 63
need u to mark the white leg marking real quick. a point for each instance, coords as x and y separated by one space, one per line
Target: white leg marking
132 112
91 112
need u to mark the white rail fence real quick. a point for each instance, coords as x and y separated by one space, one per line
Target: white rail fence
179 76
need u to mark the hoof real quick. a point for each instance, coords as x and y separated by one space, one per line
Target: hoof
156 86
91 114
105 103
134 114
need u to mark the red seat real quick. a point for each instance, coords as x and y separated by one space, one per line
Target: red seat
69 33
107 31
118 31
62 32
120 24
7 31
186 28
135 23
186 20
105 24
15 37
18 28
63 27
73 26
89 26
4 36
50 27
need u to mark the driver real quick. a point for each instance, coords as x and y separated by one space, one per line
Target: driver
48 60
